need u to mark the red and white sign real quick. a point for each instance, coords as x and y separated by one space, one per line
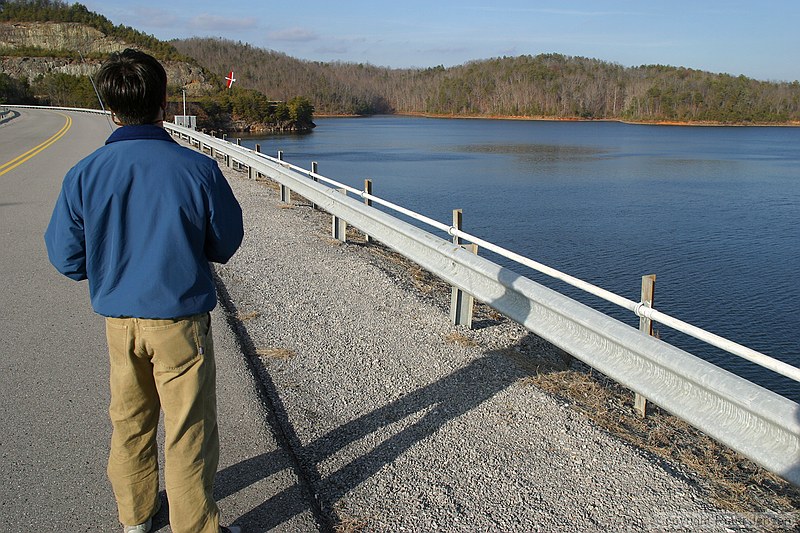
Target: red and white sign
229 80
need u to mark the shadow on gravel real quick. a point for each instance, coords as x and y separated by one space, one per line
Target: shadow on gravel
298 498
436 404
442 401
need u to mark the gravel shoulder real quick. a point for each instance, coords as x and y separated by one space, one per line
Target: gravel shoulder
399 420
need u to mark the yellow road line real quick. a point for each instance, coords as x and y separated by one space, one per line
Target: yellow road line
17 161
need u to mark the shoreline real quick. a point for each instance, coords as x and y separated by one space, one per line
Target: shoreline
791 124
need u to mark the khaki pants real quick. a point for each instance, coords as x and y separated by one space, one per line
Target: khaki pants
169 365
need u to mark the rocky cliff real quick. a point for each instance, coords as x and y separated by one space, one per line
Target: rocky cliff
69 36
65 40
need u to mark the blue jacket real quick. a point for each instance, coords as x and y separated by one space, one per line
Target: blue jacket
140 218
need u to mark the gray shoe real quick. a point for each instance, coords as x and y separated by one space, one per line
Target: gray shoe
230 529
146 526
139 528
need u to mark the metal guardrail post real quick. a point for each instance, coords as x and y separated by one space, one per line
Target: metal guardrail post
339 225
314 169
461 303
258 151
235 163
646 327
286 192
368 203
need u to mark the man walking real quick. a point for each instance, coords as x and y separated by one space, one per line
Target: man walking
140 218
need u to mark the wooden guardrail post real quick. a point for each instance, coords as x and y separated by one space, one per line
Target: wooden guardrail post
339 229
461 303
368 203
645 326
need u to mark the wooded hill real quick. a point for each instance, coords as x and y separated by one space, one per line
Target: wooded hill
57 74
278 91
543 86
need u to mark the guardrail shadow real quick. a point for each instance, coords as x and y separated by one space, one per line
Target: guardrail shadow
435 405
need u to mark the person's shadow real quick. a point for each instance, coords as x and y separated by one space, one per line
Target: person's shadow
442 401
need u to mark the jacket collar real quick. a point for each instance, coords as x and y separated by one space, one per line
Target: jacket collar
139 131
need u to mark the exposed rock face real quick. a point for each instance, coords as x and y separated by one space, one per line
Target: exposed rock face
30 67
72 37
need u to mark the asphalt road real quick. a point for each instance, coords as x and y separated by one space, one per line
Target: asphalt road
54 428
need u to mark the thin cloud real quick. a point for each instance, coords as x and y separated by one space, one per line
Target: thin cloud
294 35
552 11
333 49
443 50
155 17
221 24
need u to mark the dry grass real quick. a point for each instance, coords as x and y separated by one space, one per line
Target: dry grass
270 184
355 235
242 316
348 524
331 241
460 339
286 206
728 479
275 354
420 279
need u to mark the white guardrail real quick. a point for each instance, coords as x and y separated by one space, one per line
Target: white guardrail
760 424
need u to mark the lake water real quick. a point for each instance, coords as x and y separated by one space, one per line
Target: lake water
712 211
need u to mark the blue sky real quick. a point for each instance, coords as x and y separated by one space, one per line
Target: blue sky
760 39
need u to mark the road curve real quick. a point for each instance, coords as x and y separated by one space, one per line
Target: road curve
54 428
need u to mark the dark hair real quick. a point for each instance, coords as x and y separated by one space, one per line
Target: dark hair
133 85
